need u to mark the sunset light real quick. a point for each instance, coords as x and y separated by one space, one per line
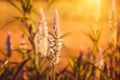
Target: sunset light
60 40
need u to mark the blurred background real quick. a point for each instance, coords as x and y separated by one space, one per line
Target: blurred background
76 17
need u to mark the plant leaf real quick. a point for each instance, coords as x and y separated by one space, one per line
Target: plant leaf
104 76
50 2
20 68
3 53
11 21
89 35
71 62
52 34
66 34
20 52
24 32
14 5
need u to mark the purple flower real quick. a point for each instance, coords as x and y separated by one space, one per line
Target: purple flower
8 44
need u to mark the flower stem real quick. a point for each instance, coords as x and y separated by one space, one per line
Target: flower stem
54 73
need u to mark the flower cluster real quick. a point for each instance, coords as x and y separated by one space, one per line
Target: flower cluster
55 42
46 45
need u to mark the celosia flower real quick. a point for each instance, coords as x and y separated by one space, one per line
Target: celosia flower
42 36
89 52
100 52
8 44
108 70
23 42
42 15
100 63
113 23
113 15
55 41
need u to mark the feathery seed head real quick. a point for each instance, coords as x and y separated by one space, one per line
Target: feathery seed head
55 41
42 36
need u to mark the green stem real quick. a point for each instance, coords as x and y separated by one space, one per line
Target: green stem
36 54
54 73
20 68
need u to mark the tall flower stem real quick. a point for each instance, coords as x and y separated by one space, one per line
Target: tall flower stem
113 23
36 54
54 73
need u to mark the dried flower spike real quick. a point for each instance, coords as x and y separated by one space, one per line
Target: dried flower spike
100 63
113 23
55 41
42 15
42 36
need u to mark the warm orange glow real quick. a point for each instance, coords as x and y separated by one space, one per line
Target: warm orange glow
87 27
92 2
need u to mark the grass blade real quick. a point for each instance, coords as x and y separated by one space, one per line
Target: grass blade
66 34
14 5
20 68
11 21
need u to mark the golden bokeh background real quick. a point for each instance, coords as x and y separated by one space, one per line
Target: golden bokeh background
76 16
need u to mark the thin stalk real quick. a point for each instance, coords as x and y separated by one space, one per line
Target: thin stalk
54 73
20 68
36 54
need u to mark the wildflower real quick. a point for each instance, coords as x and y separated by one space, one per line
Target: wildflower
8 44
23 47
108 70
100 63
42 36
80 57
55 41
113 23
118 37
89 52
23 42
